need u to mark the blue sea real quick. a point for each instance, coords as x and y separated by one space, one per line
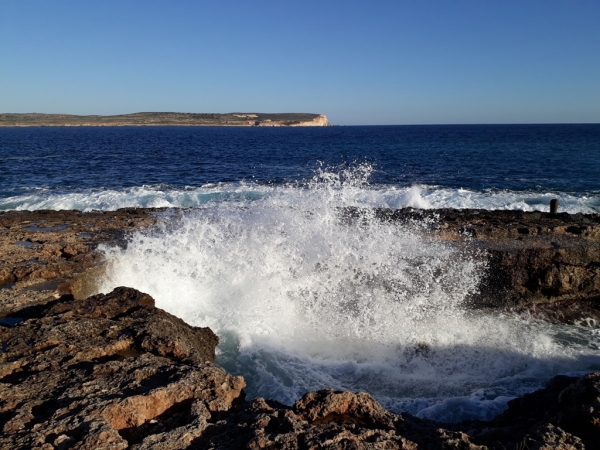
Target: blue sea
300 299
461 166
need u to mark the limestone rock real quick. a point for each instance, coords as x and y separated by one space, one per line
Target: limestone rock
564 415
320 420
108 372
44 254
113 371
328 406
538 264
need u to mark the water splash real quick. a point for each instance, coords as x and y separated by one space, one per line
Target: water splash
385 196
303 297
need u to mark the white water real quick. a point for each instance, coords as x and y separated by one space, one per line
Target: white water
424 197
303 300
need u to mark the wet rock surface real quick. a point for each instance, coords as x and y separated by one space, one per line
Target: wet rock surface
113 371
538 264
562 416
45 254
566 414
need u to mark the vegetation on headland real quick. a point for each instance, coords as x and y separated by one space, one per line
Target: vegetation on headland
163 118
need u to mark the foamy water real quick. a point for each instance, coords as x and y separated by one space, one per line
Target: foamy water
303 299
417 196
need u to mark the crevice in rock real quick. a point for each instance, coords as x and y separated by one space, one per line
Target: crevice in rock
127 312
50 438
5 416
17 376
44 410
39 310
176 416
155 380
88 366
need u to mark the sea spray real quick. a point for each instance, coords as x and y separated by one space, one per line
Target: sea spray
304 297
167 196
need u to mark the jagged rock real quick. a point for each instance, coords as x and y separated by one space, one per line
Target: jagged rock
328 419
538 264
328 406
564 415
108 372
49 253
113 371
320 420
549 437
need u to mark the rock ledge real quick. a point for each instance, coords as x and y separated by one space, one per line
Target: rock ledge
113 371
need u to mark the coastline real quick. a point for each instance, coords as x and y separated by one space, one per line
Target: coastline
150 119
533 258
151 381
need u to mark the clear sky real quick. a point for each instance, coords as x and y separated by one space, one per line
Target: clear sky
359 62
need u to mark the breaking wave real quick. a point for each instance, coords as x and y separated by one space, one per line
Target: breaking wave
304 297
416 196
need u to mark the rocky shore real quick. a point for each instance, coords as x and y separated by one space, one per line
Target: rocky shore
85 370
538 264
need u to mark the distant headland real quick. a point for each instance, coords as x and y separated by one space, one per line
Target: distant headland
165 119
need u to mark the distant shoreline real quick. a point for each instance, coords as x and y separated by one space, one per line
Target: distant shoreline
165 119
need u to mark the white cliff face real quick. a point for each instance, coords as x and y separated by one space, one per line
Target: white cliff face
319 121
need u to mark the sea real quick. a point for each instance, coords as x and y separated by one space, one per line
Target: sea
302 299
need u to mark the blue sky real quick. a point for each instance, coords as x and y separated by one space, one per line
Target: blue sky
376 62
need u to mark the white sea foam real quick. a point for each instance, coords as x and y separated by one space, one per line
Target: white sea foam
141 197
417 196
302 299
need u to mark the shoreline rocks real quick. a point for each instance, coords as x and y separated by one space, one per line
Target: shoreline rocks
113 371
45 254
538 264
97 372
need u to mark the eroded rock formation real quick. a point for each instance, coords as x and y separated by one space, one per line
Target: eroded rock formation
106 372
44 254
113 371
538 264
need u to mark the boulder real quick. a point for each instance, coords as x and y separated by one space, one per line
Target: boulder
108 372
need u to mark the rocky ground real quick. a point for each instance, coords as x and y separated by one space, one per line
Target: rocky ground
113 371
44 254
538 264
